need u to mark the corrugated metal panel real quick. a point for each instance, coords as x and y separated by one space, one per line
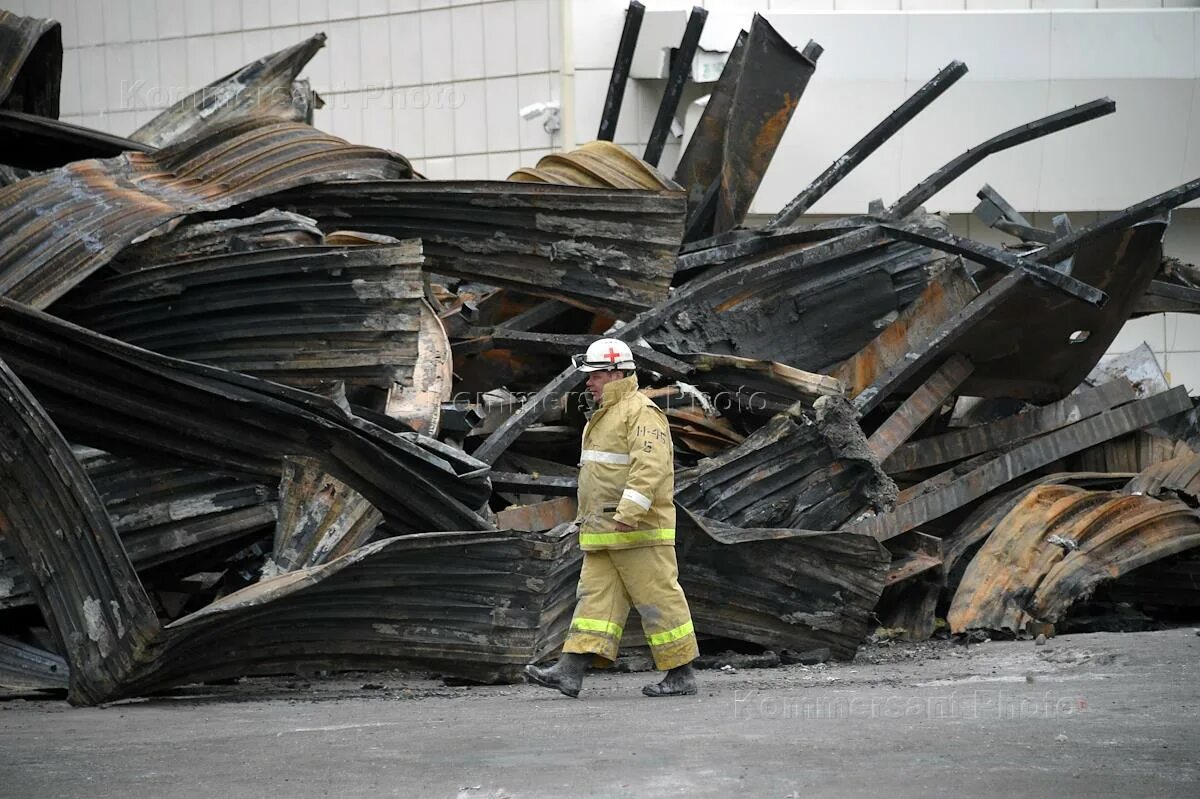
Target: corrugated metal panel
600 164
59 227
1180 475
1057 545
609 250
303 316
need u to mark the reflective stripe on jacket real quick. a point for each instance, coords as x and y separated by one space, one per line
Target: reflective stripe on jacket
626 472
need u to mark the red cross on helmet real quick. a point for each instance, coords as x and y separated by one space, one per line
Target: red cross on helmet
604 355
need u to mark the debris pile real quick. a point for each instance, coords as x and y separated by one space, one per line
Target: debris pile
272 402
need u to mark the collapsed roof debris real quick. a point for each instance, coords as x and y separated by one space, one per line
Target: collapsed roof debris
336 427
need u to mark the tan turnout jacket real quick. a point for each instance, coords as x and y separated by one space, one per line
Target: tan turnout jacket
626 472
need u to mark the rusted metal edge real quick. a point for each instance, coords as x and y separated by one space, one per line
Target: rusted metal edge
984 517
941 340
1056 546
741 127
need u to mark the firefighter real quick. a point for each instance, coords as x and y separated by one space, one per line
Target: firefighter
626 524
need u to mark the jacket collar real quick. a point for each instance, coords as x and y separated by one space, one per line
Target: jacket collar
617 390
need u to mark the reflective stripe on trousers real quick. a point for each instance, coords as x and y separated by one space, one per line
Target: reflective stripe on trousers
592 540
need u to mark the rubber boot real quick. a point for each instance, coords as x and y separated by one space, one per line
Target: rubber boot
680 681
566 675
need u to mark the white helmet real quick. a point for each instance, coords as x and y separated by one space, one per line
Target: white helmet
605 355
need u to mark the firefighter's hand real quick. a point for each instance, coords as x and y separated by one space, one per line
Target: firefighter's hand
623 528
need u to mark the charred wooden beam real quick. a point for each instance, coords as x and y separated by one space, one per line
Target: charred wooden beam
919 406
1000 469
960 444
946 174
620 71
872 141
681 68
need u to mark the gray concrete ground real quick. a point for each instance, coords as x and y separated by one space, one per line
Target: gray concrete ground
1088 715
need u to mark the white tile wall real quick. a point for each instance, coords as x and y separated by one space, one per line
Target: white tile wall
391 68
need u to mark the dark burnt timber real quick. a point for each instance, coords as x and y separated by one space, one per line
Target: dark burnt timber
969 441
742 125
811 593
919 406
872 141
804 470
916 508
946 175
950 289
620 72
607 250
130 401
681 69
163 514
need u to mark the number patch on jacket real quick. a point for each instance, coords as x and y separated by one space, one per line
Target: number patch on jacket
657 433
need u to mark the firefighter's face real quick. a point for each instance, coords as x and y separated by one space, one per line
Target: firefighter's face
598 380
